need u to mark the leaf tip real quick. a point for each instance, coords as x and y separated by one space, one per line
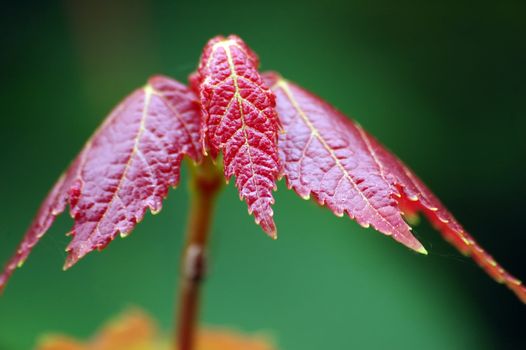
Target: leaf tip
21 263
71 260
148 89
415 245
410 242
268 225
3 281
421 250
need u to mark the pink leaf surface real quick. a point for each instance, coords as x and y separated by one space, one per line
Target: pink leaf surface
240 121
126 167
331 158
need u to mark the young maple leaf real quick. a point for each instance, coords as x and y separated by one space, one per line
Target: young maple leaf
332 158
126 167
135 156
240 121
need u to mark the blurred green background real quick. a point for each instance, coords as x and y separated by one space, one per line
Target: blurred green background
440 83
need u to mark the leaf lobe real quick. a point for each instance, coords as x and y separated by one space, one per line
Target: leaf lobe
240 121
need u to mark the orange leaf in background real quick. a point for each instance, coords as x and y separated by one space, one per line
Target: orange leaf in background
223 339
135 330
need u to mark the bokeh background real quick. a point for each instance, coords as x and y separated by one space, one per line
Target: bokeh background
443 84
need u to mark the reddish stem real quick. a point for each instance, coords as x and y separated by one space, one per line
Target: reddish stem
205 184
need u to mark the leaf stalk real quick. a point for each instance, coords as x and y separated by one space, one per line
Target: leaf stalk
206 181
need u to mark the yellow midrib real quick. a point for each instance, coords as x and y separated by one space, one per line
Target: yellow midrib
239 99
148 92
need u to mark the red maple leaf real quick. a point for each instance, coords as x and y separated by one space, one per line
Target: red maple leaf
240 121
133 159
126 167
332 158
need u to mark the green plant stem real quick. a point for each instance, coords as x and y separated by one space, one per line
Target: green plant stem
205 183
